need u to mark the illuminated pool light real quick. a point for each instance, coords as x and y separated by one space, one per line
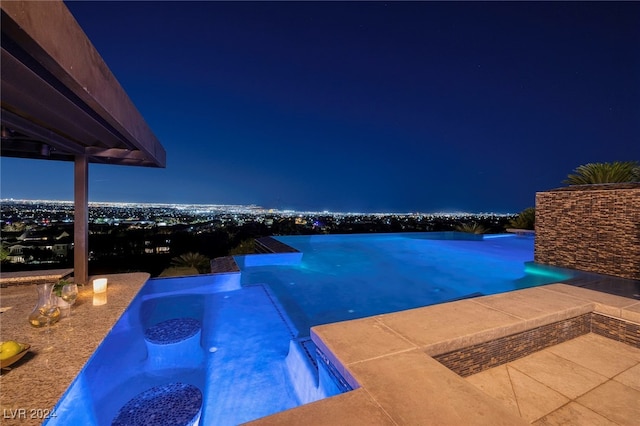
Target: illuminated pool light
547 271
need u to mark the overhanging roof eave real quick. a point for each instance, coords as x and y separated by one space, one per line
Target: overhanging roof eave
57 91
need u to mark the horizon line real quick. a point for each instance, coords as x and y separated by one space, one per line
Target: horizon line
254 207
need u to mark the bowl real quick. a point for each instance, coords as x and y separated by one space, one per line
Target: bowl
7 362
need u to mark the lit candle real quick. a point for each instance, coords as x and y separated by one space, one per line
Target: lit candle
100 299
100 285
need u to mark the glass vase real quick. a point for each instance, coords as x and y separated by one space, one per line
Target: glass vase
46 311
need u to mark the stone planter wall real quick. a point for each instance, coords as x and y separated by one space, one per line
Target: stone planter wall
594 228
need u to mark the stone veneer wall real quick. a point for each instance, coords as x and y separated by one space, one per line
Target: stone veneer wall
477 358
593 228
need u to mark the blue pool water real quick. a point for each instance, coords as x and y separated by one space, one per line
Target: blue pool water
251 356
343 277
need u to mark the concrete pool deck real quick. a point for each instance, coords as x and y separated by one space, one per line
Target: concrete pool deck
392 361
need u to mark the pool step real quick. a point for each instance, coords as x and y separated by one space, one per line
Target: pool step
174 343
177 404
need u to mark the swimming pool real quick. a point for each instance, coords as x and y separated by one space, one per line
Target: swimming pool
341 277
252 356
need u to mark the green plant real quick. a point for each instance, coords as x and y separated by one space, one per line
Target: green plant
4 252
245 247
471 228
57 287
616 172
194 260
526 219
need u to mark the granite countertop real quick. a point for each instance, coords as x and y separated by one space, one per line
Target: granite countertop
33 385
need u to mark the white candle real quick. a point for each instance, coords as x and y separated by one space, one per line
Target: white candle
99 299
100 285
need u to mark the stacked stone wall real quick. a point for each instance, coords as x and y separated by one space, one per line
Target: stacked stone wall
594 228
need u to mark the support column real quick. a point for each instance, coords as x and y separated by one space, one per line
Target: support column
81 220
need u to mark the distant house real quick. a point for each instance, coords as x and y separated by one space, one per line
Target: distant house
154 247
36 250
9 236
16 253
61 248
35 235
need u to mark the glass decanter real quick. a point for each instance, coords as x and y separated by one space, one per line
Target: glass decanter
46 311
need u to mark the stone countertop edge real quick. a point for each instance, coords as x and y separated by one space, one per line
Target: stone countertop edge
33 385
29 277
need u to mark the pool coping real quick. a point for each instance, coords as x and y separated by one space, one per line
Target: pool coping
272 245
223 265
390 359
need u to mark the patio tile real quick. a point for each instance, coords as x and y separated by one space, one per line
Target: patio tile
416 389
598 353
597 297
534 399
496 383
532 302
614 401
574 414
630 378
441 323
359 340
566 377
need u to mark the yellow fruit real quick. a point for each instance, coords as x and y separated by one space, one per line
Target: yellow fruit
9 349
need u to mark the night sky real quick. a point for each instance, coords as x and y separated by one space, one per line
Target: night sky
369 107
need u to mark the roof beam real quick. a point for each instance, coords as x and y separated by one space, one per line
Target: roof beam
54 77
15 122
115 153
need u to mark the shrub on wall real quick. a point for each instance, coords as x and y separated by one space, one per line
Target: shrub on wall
595 173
